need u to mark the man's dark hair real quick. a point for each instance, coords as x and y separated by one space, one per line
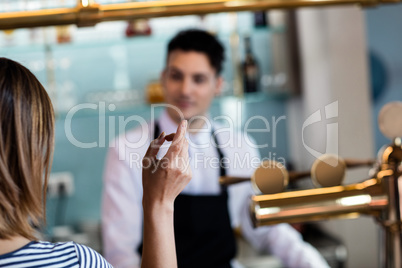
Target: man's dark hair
199 41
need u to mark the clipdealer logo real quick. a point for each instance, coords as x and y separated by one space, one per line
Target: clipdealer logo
107 125
112 130
330 111
331 145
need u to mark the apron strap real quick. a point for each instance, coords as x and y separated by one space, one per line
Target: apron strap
222 165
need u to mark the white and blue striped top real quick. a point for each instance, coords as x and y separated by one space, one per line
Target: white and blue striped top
52 255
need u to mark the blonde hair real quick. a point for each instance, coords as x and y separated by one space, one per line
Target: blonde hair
26 147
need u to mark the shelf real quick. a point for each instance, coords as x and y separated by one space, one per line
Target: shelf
93 109
87 13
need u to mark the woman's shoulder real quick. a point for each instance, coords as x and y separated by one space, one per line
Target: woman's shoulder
40 253
48 254
88 257
41 247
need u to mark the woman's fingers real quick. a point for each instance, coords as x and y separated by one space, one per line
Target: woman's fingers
184 149
183 155
178 141
170 137
155 145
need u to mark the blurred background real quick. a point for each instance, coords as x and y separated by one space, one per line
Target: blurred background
307 58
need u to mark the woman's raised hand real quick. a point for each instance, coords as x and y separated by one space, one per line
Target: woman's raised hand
164 179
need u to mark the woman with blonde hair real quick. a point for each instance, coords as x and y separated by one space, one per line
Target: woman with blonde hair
26 147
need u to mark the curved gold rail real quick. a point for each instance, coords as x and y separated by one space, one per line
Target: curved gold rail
88 13
378 197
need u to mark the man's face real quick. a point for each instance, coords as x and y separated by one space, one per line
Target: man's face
189 83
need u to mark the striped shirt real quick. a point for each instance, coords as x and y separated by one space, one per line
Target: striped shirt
52 255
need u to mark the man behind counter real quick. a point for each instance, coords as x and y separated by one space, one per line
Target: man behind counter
204 213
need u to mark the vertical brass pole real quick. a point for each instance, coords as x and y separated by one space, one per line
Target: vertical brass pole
390 256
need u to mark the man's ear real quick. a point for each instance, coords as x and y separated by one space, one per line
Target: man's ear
162 77
219 86
163 73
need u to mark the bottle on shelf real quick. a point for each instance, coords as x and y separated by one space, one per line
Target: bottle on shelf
154 93
234 41
63 34
260 19
138 27
250 69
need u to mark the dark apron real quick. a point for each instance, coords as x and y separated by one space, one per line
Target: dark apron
203 232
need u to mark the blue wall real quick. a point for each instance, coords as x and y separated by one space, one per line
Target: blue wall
82 69
384 35
90 68
92 73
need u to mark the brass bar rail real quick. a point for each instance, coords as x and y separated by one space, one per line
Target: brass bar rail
92 13
378 197
348 201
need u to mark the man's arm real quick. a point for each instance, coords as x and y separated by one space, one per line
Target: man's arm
121 213
281 240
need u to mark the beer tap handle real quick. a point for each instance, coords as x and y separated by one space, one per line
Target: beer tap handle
227 180
328 170
272 177
297 175
390 120
352 163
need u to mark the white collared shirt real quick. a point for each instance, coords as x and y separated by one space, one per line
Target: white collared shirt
122 195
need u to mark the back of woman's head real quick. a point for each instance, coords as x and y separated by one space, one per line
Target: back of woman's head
26 145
